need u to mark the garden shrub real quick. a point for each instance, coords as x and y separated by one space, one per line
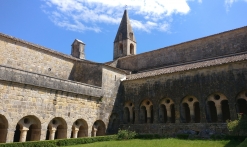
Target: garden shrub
125 134
60 142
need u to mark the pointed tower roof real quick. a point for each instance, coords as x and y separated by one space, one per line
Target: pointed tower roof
124 28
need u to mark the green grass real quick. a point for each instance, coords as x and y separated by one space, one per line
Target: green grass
162 143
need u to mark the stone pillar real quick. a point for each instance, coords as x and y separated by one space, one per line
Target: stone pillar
10 135
23 134
75 132
43 134
177 114
131 115
183 115
52 133
94 132
219 112
169 114
192 113
137 115
233 108
202 113
148 115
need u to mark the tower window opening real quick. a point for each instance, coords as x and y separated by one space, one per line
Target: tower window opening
121 48
131 49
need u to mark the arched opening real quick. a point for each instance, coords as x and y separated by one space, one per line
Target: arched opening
212 111
242 106
132 49
57 129
28 129
143 114
172 113
163 114
146 113
133 110
126 115
17 134
98 128
33 129
225 110
79 129
186 111
120 48
47 133
152 114
3 128
197 112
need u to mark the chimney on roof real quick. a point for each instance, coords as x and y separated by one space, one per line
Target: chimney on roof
77 49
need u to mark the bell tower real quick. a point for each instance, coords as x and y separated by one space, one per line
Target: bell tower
124 43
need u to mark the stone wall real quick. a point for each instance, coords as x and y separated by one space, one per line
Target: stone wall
222 44
226 79
29 58
86 72
20 100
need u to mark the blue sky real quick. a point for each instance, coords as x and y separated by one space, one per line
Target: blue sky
156 23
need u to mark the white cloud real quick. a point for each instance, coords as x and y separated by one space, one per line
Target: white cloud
228 3
81 15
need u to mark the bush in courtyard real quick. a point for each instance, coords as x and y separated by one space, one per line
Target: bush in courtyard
125 134
182 136
239 126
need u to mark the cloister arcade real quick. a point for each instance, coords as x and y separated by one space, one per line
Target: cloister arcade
216 107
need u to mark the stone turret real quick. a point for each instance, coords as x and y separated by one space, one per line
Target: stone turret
77 49
124 43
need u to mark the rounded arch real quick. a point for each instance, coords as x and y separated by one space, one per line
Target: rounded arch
190 109
28 128
132 49
217 108
166 111
79 129
146 111
3 128
241 102
98 128
56 129
129 113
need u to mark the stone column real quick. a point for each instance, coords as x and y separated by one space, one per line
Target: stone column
219 112
177 114
23 134
137 115
52 133
148 115
169 114
75 132
131 115
192 113
94 132
202 113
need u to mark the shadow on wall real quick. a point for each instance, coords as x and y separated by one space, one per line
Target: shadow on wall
86 72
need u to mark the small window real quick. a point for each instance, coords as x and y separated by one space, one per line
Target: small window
121 48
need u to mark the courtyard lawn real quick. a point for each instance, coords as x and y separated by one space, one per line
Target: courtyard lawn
162 143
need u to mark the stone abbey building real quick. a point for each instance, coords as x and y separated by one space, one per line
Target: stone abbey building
193 86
